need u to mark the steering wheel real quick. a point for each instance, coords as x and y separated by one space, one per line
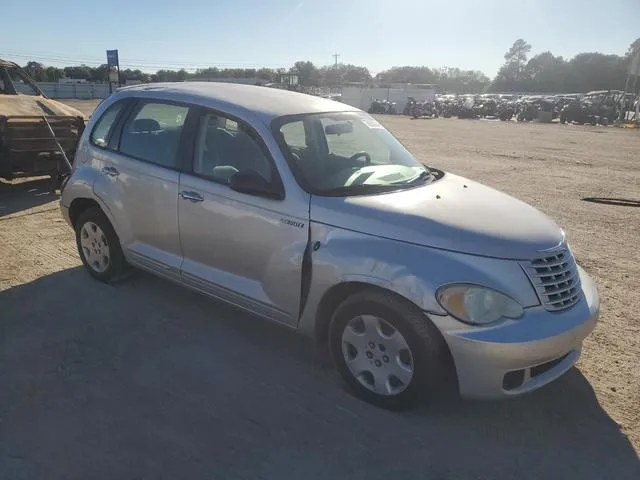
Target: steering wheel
365 155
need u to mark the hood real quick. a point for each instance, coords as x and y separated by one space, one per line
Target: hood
34 106
452 213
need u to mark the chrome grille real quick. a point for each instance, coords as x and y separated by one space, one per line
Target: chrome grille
555 278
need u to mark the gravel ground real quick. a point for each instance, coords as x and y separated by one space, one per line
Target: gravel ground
145 379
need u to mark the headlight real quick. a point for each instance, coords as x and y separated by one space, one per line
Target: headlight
477 305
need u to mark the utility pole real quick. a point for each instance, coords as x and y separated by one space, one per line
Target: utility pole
335 57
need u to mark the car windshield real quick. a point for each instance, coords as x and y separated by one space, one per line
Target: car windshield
15 82
349 153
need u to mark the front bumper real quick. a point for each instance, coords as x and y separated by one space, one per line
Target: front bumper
537 348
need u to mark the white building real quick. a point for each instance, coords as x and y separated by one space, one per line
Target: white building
361 96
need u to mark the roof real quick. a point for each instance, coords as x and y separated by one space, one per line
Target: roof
262 102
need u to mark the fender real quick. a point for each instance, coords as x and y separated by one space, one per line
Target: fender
412 271
80 185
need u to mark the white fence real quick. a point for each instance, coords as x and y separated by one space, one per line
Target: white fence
101 90
75 90
69 90
361 97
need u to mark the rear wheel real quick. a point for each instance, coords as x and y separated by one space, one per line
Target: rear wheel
387 351
99 246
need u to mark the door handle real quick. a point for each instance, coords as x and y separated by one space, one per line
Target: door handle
191 196
111 171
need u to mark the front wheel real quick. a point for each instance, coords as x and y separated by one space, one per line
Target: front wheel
388 352
99 246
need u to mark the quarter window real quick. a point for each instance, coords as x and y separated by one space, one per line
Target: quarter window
100 133
225 147
294 135
153 133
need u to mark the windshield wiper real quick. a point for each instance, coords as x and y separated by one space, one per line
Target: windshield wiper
422 177
346 191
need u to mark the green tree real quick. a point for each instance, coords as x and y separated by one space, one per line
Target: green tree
80 72
331 76
634 47
596 71
36 71
407 74
454 80
53 74
512 75
517 55
547 73
100 74
307 72
354 73
266 74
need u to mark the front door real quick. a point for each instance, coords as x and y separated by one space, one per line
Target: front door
139 183
244 248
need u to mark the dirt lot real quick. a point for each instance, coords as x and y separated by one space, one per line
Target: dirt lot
147 380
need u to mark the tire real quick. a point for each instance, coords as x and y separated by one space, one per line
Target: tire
371 324
99 246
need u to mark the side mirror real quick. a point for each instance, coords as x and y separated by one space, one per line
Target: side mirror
251 182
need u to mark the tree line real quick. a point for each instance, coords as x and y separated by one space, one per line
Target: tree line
543 72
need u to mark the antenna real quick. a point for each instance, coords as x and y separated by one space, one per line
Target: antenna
335 58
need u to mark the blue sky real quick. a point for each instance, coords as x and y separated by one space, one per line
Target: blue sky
378 34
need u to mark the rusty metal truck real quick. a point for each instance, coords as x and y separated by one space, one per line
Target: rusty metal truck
38 135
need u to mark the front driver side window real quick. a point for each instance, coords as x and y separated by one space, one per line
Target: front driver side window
225 147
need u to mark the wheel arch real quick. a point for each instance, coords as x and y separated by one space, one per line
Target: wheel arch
339 292
80 205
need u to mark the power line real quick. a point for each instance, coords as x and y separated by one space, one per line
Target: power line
132 62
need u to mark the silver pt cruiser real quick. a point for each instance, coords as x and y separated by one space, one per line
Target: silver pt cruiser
308 212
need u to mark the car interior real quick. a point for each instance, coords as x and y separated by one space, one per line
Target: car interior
225 147
146 139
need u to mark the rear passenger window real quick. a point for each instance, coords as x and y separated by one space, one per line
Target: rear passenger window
100 133
153 133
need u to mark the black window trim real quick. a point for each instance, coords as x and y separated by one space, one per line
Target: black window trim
133 108
189 158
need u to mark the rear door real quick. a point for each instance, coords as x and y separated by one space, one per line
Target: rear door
139 183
